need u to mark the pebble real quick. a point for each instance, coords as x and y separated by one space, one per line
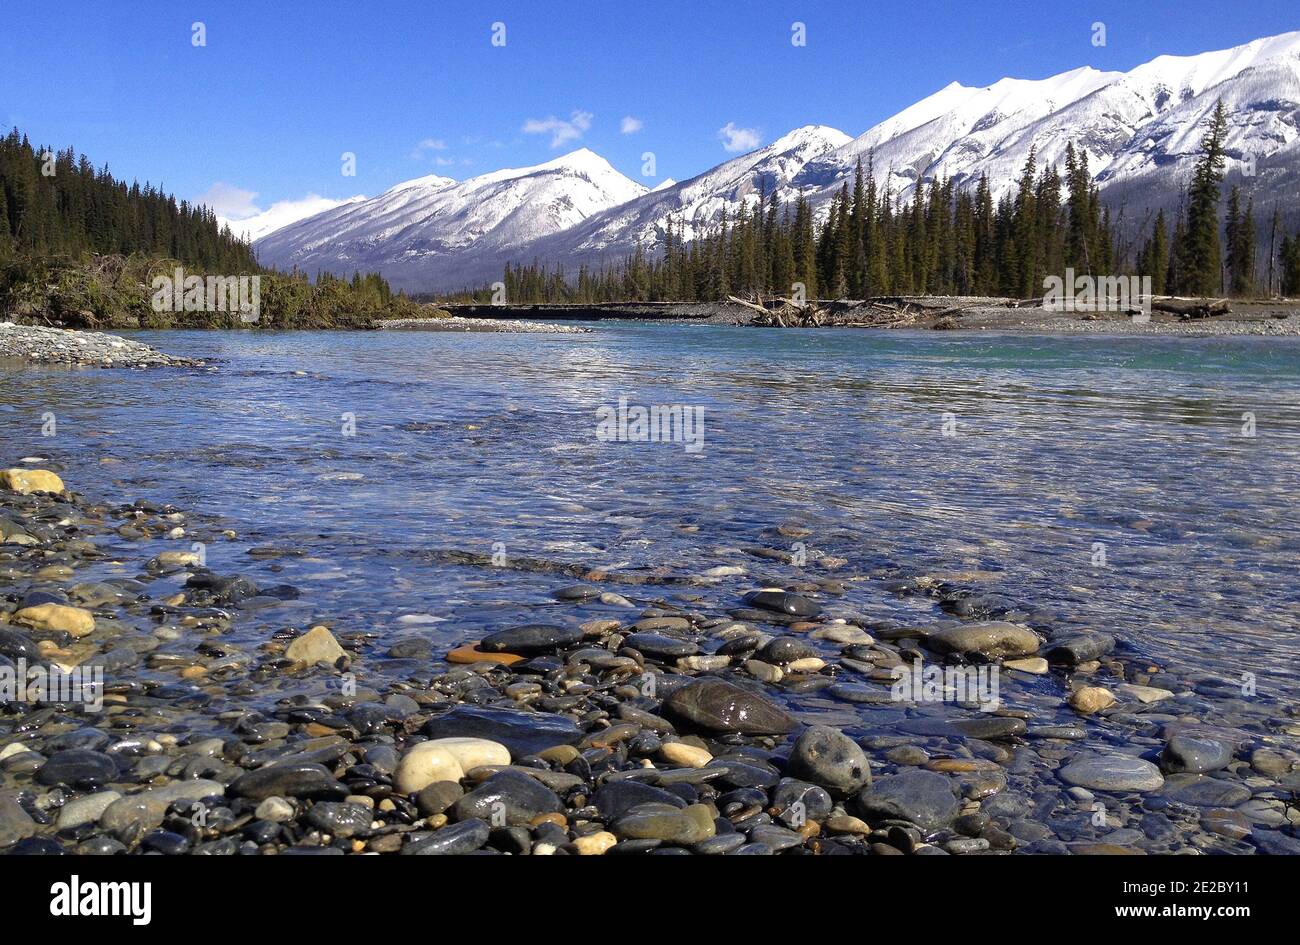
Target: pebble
594 844
317 645
827 757
992 640
85 810
470 653
530 639
719 706
427 763
680 753
340 819
27 481
464 837
78 767
784 602
1143 694
522 733
15 823
507 798
683 826
277 810
288 779
1106 772
56 617
1195 754
1201 791
148 807
659 646
925 798
1078 648
1091 699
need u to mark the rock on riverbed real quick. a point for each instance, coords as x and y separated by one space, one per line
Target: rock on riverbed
90 348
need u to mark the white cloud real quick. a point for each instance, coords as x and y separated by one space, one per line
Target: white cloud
258 223
559 129
630 125
422 150
738 139
226 200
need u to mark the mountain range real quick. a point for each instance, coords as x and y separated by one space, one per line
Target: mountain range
1140 130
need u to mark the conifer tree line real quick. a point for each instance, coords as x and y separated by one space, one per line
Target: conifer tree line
945 240
80 248
79 209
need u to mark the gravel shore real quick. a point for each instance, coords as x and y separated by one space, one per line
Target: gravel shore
616 728
86 348
459 323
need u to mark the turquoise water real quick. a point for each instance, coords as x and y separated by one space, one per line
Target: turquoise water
483 442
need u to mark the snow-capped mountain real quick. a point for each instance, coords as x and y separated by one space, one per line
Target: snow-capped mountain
1141 132
434 231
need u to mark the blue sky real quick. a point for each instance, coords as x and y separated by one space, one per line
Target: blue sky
265 110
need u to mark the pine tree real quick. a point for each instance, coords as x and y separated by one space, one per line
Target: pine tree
1200 256
1154 259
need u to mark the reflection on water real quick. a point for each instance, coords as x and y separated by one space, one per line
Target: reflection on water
475 442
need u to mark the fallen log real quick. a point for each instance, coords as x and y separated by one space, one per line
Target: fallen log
1192 308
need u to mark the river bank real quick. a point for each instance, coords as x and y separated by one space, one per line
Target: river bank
640 713
944 313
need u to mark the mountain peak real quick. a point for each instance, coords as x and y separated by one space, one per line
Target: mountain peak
805 134
580 159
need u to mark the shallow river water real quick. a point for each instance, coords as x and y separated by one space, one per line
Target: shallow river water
1143 486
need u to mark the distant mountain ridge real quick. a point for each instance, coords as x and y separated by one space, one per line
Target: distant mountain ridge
1140 131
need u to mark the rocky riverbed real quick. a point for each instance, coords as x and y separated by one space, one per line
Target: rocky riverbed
764 724
34 343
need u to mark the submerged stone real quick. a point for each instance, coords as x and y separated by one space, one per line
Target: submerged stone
719 706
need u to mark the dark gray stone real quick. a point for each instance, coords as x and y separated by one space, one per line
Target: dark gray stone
828 757
530 639
512 795
464 837
783 602
718 706
925 798
291 779
523 733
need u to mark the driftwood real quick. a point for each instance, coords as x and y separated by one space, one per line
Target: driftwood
881 312
1192 308
789 314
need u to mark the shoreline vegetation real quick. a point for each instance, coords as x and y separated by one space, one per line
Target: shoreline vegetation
662 726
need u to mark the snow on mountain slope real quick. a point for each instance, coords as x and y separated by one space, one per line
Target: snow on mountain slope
281 214
694 205
1262 103
964 133
948 132
418 232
